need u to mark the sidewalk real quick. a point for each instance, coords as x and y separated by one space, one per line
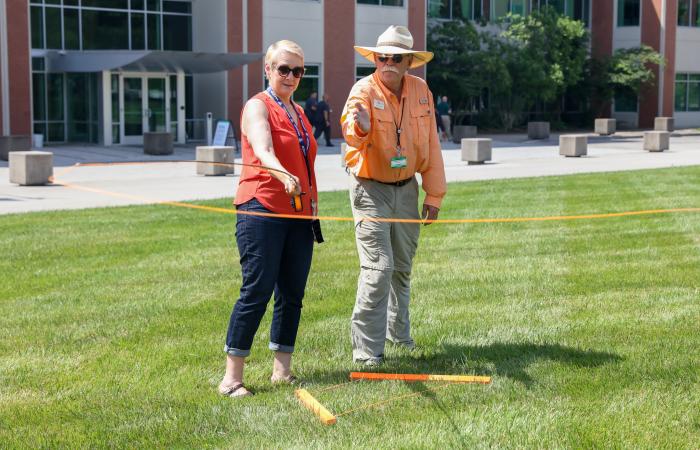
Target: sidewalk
513 157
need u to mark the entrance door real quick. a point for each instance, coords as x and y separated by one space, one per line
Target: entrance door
145 106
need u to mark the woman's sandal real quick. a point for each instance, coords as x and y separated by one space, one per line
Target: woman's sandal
234 390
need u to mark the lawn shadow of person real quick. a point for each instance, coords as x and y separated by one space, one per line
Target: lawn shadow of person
509 360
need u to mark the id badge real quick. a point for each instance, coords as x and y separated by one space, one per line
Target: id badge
398 162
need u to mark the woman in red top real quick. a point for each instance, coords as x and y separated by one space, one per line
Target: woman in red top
275 253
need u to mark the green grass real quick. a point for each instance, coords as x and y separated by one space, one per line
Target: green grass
112 324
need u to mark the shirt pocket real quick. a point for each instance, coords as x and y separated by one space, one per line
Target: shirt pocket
384 129
420 123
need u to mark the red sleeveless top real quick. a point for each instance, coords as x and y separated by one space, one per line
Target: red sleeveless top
259 184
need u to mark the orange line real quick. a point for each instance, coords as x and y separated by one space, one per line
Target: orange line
351 219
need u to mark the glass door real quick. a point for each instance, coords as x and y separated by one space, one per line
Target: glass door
144 106
132 131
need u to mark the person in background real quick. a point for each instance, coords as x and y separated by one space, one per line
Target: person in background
324 120
311 108
275 253
444 109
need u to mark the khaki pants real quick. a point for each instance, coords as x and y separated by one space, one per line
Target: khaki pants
386 252
446 125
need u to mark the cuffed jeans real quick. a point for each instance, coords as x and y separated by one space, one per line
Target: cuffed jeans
386 253
275 255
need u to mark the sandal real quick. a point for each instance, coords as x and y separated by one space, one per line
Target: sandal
230 391
289 379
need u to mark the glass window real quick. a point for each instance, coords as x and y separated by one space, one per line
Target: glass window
153 31
625 101
368 2
54 93
110 4
694 93
37 19
137 4
467 9
681 94
178 7
115 108
683 13
138 32
696 11
39 96
105 30
500 8
53 28
627 13
177 32
71 29
439 9
153 5
308 84
363 71
381 2
56 132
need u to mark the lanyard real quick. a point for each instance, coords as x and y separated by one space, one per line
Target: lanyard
304 142
398 128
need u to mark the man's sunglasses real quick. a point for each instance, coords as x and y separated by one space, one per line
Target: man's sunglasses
284 71
396 58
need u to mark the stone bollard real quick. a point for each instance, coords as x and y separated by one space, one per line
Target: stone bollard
538 130
343 150
476 150
573 145
215 155
605 127
14 143
30 168
656 141
460 132
158 143
663 124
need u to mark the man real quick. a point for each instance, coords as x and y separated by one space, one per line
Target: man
389 126
324 120
311 108
444 110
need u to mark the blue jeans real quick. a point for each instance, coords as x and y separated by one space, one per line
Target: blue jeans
275 256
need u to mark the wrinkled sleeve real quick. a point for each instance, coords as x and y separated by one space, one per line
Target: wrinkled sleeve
434 183
351 130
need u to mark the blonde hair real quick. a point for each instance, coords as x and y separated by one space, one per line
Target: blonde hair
283 46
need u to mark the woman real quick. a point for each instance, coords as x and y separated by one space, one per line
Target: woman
275 253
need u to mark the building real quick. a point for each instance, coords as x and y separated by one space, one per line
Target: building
671 27
105 71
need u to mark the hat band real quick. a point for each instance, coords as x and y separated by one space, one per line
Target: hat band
393 44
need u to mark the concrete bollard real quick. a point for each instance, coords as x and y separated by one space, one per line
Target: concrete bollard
30 168
158 143
343 150
656 141
14 143
573 145
215 155
605 127
663 124
460 132
476 150
538 130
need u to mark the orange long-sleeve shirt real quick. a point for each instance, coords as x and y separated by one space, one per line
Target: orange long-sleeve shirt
369 155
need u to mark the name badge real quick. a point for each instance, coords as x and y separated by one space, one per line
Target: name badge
423 101
398 162
378 104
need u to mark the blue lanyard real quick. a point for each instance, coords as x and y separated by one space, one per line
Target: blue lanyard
304 142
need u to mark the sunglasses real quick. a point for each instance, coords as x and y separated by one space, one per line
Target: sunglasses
296 71
396 58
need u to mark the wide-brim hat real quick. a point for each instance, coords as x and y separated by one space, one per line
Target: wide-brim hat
396 40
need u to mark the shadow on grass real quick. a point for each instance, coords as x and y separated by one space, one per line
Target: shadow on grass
510 360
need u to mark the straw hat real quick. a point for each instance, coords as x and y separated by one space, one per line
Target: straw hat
396 40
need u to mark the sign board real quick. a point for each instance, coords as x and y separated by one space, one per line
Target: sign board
224 132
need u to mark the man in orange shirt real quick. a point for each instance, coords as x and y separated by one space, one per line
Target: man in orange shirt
390 129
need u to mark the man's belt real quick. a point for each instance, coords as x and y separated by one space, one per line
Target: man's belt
391 183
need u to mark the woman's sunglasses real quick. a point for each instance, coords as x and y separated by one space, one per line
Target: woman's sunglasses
396 58
284 71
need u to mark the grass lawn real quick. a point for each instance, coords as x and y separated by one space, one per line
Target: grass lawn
112 324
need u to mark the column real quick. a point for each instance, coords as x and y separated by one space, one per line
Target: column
602 43
651 23
417 18
181 122
338 56
107 108
20 111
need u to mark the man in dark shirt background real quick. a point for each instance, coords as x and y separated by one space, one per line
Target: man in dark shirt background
323 117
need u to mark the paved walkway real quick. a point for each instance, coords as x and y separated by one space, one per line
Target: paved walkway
513 156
